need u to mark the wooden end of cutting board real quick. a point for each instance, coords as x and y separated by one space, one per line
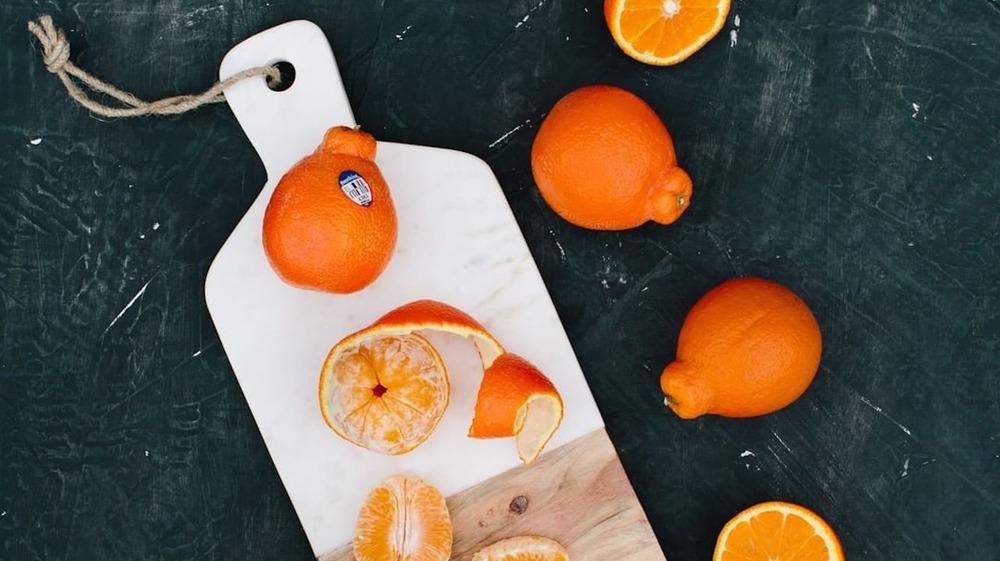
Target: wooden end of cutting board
577 494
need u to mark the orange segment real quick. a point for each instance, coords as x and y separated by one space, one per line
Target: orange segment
664 32
777 531
403 519
523 548
516 399
385 393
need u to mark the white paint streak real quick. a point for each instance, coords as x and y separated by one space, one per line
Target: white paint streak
868 53
930 158
400 35
562 252
733 37
872 12
147 453
747 453
156 225
35 141
736 20
878 410
916 110
906 468
524 20
505 135
783 445
127 306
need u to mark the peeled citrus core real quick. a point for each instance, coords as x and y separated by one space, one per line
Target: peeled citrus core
516 399
385 388
389 392
403 519
777 531
523 548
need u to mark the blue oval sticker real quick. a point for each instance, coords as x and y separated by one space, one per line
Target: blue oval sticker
355 187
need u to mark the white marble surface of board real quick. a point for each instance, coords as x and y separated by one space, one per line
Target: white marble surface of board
458 243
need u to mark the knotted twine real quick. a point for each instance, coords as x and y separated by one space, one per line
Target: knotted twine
55 54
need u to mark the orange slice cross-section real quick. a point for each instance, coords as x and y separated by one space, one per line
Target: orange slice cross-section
777 531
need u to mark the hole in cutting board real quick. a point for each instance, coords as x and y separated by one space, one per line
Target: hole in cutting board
287 71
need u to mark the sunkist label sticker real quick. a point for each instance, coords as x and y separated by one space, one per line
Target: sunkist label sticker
355 187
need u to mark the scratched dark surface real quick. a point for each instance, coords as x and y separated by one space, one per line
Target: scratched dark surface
847 150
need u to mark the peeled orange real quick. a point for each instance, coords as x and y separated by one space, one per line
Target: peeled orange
384 392
385 388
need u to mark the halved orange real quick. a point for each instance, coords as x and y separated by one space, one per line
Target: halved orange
403 519
777 531
523 548
385 388
664 32
516 399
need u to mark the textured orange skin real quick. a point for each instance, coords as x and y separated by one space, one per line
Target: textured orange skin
506 386
604 160
423 314
748 347
314 236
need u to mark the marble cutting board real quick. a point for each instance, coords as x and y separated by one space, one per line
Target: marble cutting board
458 243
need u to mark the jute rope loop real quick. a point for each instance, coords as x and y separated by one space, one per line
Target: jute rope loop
55 54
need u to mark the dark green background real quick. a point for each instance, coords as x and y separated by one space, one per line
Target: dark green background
846 149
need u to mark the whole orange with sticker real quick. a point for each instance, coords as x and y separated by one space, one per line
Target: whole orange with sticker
330 224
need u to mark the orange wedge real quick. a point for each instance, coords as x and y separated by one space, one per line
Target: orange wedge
664 32
403 519
516 399
523 548
777 531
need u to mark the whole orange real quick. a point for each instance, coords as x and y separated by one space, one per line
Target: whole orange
748 347
330 224
603 159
